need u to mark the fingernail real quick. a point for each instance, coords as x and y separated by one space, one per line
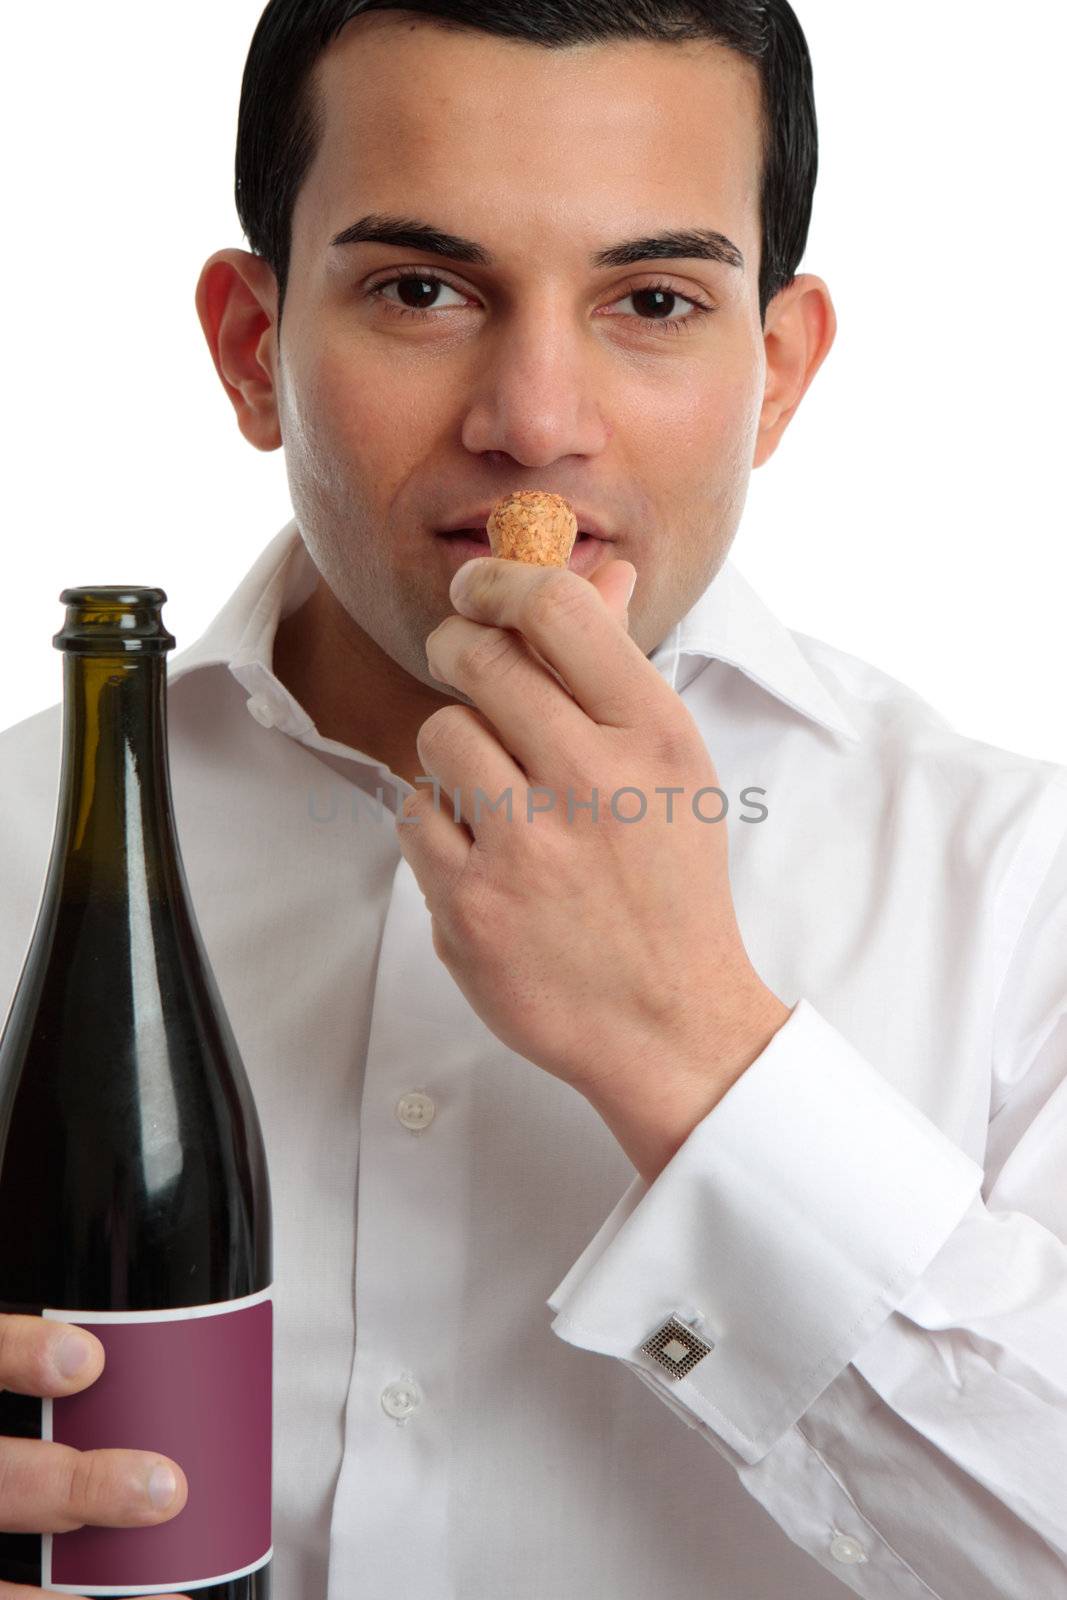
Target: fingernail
465 577
633 586
73 1354
162 1487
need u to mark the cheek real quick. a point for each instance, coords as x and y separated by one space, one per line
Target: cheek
700 451
333 440
377 413
716 414
351 404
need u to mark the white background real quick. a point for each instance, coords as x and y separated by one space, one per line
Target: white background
912 516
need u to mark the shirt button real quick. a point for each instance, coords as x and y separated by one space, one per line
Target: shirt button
260 708
416 1111
842 1548
400 1399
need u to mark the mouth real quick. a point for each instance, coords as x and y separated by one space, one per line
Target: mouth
465 544
479 536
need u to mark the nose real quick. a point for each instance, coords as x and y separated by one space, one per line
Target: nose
539 391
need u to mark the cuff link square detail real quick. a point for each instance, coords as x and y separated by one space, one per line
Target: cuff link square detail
676 1348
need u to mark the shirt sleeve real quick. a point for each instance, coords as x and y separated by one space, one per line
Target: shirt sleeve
886 1318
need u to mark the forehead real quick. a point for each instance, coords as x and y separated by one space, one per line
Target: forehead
424 118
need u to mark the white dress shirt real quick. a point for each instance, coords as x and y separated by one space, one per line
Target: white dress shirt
867 1233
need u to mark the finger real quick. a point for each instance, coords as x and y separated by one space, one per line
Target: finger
38 1357
53 1488
567 621
535 718
615 585
459 746
434 847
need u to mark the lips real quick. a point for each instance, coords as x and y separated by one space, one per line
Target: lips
460 545
479 535
472 523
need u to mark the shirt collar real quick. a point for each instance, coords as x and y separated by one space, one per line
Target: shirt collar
728 623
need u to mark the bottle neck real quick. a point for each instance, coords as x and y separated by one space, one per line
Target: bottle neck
115 830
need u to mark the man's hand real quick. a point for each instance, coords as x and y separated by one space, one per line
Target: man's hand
605 951
51 1488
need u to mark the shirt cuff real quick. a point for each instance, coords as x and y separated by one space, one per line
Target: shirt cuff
793 1220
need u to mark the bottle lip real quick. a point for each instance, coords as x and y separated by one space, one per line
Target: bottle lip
114 619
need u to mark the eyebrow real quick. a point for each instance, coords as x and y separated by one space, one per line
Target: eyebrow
408 233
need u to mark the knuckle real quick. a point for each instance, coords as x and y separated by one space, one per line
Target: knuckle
632 708
420 801
670 742
472 915
34 1480
8 1482
493 652
464 924
89 1487
439 727
24 1363
560 594
105 1488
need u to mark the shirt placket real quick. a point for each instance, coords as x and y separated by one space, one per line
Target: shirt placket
389 1532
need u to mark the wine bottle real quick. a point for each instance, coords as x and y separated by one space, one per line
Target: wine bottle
134 1193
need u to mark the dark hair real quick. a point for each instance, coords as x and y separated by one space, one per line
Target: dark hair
280 121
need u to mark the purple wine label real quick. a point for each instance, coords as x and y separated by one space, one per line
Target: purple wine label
194 1384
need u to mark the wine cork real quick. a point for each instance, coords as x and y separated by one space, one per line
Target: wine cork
533 526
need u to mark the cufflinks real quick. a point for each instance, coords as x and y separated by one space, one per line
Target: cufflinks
676 1348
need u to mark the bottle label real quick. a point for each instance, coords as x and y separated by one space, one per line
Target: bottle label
195 1384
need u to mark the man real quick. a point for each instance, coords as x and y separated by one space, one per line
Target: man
758 1090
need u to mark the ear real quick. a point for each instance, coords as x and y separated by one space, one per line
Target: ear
236 301
800 328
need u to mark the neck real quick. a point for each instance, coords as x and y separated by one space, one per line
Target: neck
352 690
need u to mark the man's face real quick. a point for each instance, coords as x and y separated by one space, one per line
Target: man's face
539 372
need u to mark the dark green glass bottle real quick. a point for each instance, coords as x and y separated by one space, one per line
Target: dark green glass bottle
134 1194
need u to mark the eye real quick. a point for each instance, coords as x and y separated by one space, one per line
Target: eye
425 286
413 282
658 292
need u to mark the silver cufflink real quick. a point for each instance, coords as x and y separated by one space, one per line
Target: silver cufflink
677 1348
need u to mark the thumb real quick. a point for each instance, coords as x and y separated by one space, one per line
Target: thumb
614 581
